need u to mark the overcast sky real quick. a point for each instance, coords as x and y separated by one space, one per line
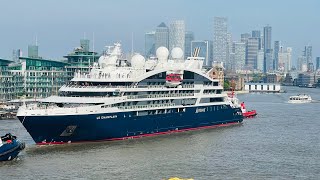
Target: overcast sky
59 24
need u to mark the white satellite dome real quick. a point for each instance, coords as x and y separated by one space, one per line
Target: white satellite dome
111 60
176 53
101 61
138 61
162 53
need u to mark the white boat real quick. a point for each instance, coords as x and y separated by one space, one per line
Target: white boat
300 98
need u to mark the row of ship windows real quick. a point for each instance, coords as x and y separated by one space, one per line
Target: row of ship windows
177 110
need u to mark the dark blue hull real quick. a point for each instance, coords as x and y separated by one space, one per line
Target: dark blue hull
10 151
116 126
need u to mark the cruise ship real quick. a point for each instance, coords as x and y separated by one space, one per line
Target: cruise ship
125 99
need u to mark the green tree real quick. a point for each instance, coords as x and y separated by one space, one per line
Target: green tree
226 85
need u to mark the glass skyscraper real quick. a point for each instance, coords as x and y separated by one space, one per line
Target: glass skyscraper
220 32
251 53
189 37
149 45
162 36
177 34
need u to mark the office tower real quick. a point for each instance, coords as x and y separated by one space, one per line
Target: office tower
267 37
228 64
317 63
33 51
189 37
302 64
16 54
220 39
84 44
177 34
284 59
251 53
260 60
308 53
162 36
268 60
205 47
245 37
149 43
257 34
277 45
239 55
267 49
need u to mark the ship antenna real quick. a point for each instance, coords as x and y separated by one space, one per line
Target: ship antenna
92 51
131 44
36 40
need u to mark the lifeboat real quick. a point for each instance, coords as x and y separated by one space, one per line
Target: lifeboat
173 80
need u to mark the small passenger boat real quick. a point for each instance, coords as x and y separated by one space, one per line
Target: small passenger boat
10 147
300 98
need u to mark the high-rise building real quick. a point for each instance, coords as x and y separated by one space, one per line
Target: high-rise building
177 34
189 37
33 51
257 34
149 43
317 63
16 54
245 37
239 55
260 60
267 37
205 47
268 61
228 65
85 44
220 39
302 64
284 59
277 45
162 36
308 53
251 53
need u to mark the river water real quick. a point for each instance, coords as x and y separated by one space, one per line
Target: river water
282 142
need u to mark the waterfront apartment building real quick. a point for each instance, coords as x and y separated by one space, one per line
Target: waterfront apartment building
10 81
80 59
42 77
35 77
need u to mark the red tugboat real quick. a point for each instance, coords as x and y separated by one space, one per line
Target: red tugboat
247 114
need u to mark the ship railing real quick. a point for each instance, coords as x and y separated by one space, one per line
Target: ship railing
128 87
146 106
159 95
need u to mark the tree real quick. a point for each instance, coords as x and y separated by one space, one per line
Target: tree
226 85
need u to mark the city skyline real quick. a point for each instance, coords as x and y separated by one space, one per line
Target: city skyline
58 29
